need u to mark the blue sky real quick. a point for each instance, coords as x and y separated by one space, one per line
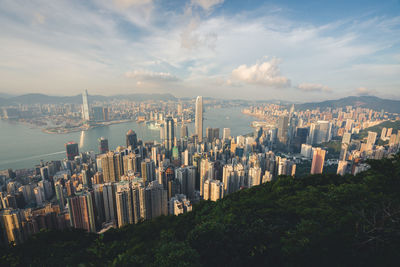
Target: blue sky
293 50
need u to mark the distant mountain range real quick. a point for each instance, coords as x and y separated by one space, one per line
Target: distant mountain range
46 99
373 102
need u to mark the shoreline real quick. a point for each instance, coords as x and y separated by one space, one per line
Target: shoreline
81 128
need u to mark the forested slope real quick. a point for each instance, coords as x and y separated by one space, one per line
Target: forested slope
323 220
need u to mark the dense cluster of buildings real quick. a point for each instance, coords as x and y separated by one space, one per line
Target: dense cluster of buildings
143 180
306 134
138 181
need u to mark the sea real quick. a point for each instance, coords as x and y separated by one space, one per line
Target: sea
24 146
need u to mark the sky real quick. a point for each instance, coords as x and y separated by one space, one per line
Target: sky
288 50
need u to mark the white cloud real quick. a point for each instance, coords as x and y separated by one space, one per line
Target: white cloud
207 4
146 75
364 91
39 18
97 43
129 3
263 73
313 87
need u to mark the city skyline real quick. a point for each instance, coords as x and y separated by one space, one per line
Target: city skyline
292 51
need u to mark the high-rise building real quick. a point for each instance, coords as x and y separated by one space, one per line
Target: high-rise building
179 109
371 140
300 138
131 139
233 178
132 163
187 179
148 171
103 145
283 124
383 133
98 113
72 150
318 161
389 132
184 131
207 169
213 190
306 151
320 132
11 226
156 200
109 202
254 176
226 134
179 204
169 135
123 199
342 167
60 194
212 134
199 118
267 177
81 211
85 107
112 166
346 138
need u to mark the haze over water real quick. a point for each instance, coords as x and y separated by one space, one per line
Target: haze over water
22 146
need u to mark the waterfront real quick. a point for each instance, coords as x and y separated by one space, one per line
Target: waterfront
22 146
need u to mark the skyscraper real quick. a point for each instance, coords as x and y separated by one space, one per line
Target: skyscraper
184 131
131 139
199 118
318 161
81 211
85 106
342 166
371 140
169 134
123 199
72 150
111 164
103 145
283 122
226 133
346 138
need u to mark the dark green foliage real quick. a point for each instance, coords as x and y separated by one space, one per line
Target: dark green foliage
333 148
395 125
323 220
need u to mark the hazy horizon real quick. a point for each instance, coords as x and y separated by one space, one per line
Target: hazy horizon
291 51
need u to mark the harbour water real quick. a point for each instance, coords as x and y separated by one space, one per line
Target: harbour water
23 146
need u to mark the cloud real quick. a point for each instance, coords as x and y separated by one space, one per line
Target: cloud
207 5
313 87
129 3
364 91
146 75
192 39
39 18
263 73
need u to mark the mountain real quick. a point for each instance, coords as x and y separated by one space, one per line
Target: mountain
28 99
318 220
395 125
372 102
4 95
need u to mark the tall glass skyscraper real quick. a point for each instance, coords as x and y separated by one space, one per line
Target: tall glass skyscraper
199 118
85 106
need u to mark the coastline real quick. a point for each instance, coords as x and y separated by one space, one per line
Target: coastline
61 130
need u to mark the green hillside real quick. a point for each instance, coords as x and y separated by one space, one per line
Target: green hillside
320 220
378 128
372 102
